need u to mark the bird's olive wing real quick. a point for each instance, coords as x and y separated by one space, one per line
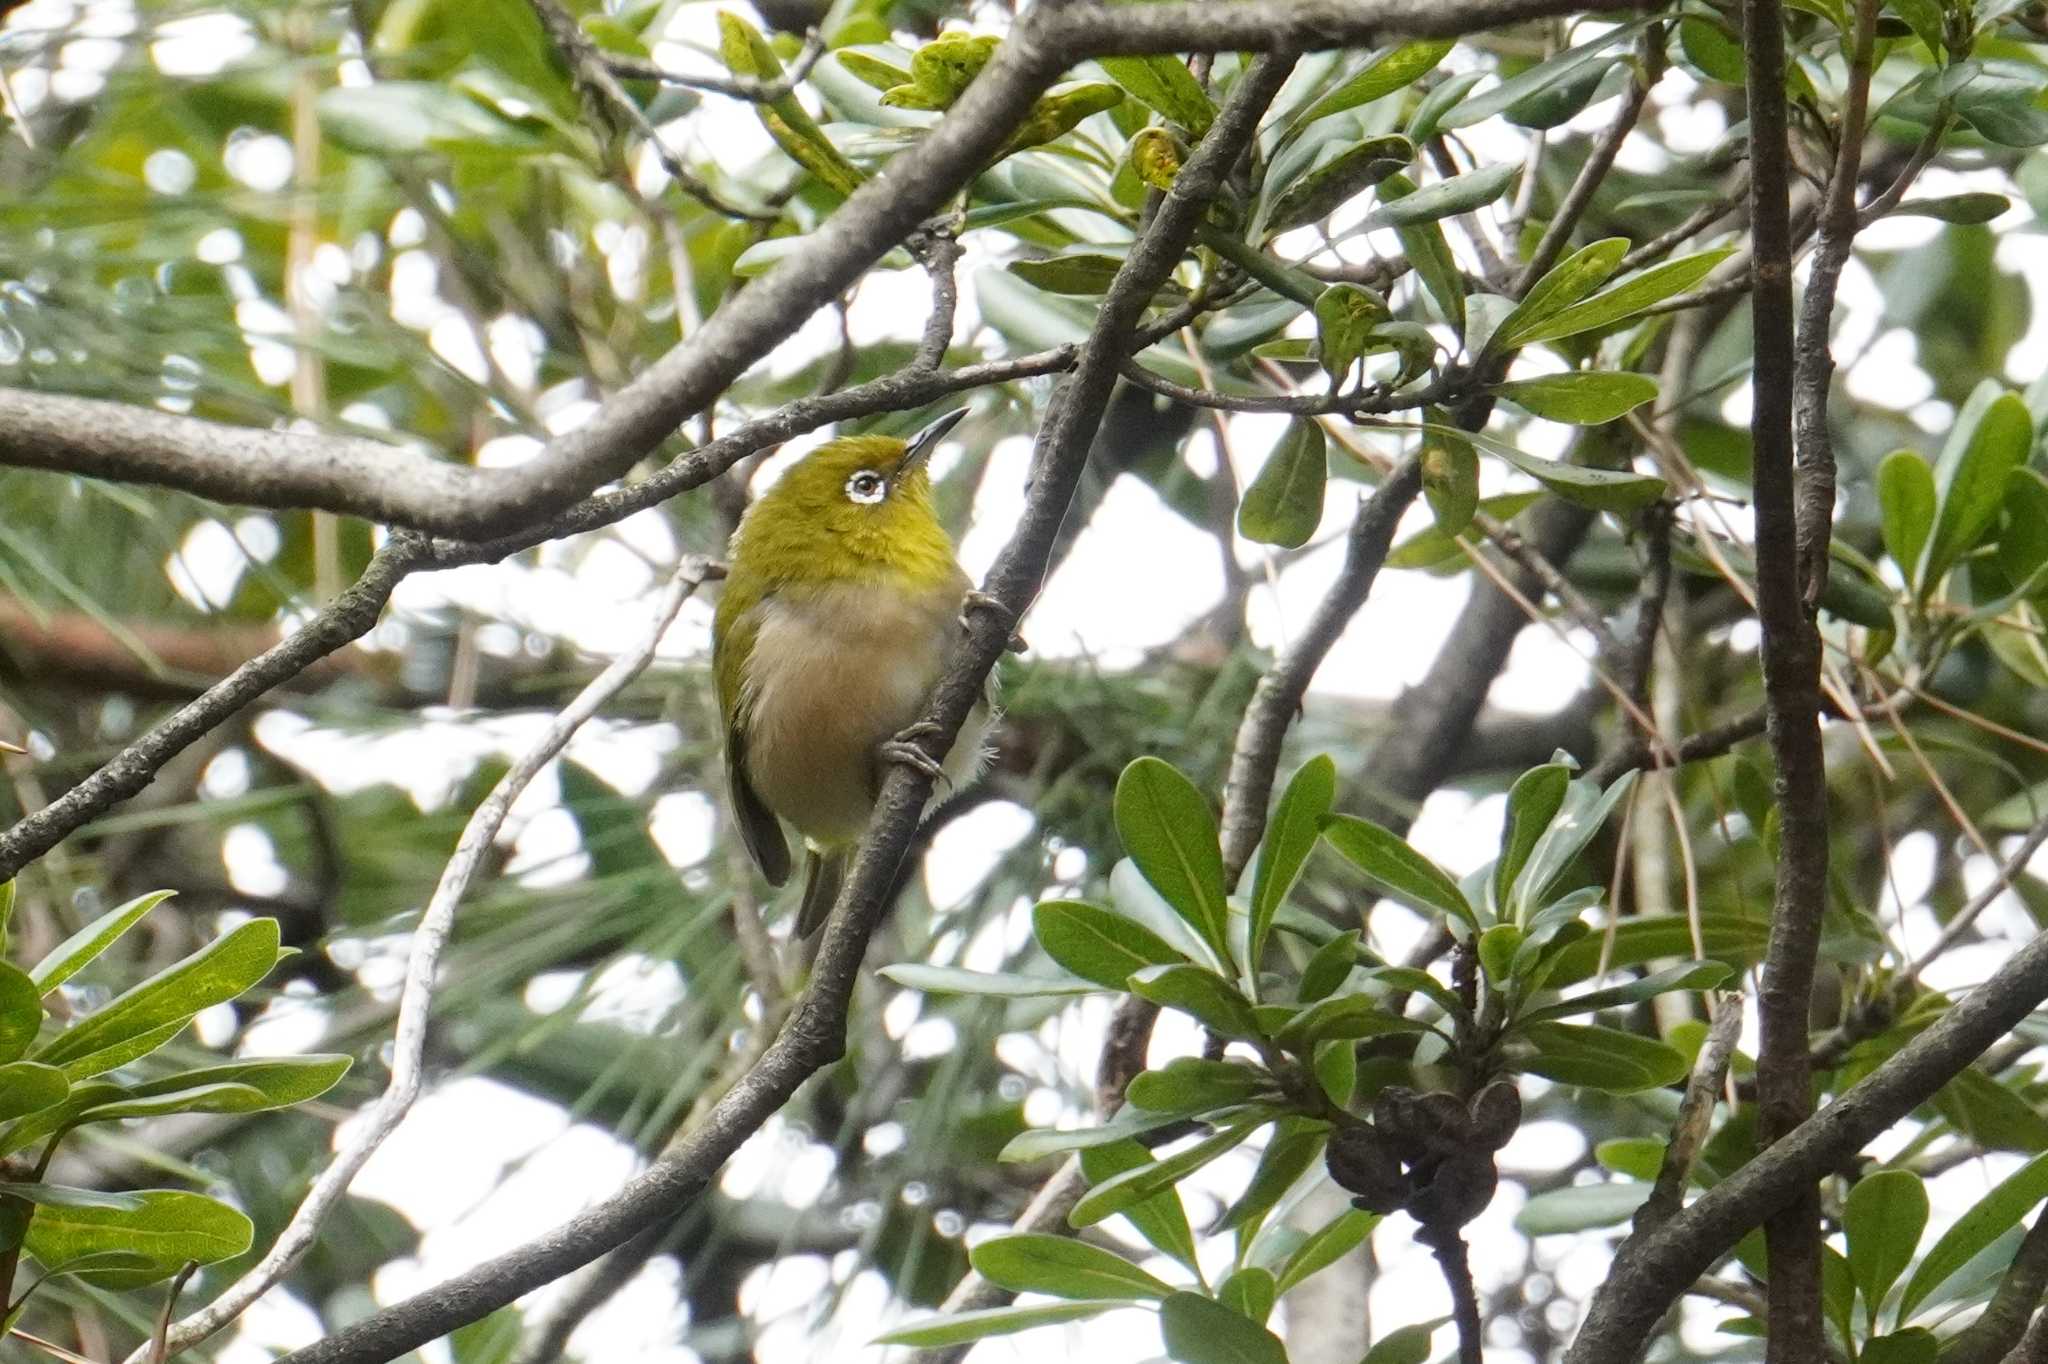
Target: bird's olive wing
733 640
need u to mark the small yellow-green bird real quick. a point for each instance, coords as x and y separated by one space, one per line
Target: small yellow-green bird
841 592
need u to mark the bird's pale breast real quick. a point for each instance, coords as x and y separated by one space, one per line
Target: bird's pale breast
833 674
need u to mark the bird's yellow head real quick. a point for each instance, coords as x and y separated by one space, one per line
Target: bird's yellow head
859 507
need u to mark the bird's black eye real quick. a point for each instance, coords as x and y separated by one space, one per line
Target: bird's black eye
866 487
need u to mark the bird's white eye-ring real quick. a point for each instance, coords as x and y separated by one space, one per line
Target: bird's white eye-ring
867 487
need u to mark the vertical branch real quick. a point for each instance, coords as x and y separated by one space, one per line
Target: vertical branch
1791 665
1814 363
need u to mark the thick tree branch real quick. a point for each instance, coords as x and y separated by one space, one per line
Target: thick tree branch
1791 665
1995 1332
815 1033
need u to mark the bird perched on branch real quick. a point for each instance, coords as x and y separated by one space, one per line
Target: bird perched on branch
841 594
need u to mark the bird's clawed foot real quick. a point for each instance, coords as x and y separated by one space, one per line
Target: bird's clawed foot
906 749
977 600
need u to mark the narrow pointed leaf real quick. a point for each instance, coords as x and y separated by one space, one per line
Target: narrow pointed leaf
1033 1262
1445 199
1395 69
1168 830
1290 837
961 1328
75 952
1629 297
1166 85
1580 397
1098 944
1397 869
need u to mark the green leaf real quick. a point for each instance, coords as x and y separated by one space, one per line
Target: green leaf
1133 1187
1168 831
1409 1345
1576 276
1600 1058
1088 274
1990 1114
1614 490
73 954
1729 937
1327 1245
1330 967
1578 818
1629 297
1978 207
1165 84
1160 1219
1291 836
1041 1142
747 54
1713 49
1580 397
1537 79
1293 1149
872 70
1925 18
962 1327
1435 550
1914 1345
1202 995
214 1098
21 1012
1284 504
1906 501
1098 944
951 980
1249 1292
1347 1016
171 1227
1637 1157
216 973
1055 115
1395 69
1195 1084
1691 975
1992 436
1338 181
6 910
1430 256
1581 1207
1030 1262
1345 317
1884 1216
1200 1330
1396 869
1450 482
1497 948
280 1082
1444 199
1986 1220
1533 801
64 1196
29 1087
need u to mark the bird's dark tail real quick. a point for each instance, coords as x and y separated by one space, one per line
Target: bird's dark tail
824 874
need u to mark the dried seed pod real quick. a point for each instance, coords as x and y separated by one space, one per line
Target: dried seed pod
1496 1113
1361 1160
1457 1191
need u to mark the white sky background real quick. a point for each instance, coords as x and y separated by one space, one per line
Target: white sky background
479 1166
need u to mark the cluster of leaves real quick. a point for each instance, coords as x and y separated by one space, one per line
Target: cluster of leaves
1287 1028
51 1086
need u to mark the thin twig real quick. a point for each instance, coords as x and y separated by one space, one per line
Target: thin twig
748 88
1695 1114
417 995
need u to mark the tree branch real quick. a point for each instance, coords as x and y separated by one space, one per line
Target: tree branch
1791 665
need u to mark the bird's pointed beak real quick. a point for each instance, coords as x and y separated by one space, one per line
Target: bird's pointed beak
919 447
